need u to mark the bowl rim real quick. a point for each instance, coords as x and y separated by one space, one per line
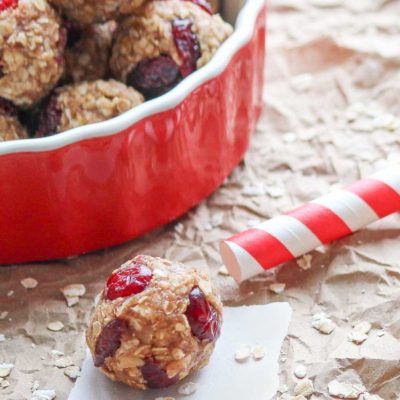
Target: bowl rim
242 34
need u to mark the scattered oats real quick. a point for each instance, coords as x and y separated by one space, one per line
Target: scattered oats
304 388
44 394
283 359
302 83
63 362
56 353
305 262
363 327
301 397
300 371
33 345
72 293
188 388
359 333
2 337
10 293
242 353
362 125
289 137
223 271
3 315
35 386
29 283
71 300
322 323
380 333
344 390
73 372
283 389
254 190
55 326
258 352
277 288
275 191
5 369
363 291
4 383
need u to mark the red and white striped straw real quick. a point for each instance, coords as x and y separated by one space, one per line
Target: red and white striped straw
324 220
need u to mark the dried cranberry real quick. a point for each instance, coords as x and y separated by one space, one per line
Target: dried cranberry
156 377
7 108
109 340
155 76
203 317
5 4
73 30
128 281
187 45
49 118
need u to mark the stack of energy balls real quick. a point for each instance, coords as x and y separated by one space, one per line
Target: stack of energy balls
67 63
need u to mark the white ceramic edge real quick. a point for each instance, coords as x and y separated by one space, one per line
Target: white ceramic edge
245 25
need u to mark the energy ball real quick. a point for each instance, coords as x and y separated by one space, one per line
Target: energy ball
165 41
155 323
88 56
92 11
32 45
10 127
85 103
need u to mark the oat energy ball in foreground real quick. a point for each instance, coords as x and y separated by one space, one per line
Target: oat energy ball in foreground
163 42
155 323
87 59
91 11
85 103
31 50
10 127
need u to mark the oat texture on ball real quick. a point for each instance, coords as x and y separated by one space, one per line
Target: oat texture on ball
155 323
87 57
92 11
31 50
85 103
10 127
163 42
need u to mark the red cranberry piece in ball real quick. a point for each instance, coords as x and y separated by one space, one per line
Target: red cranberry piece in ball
7 108
5 4
49 118
187 45
155 76
109 341
156 377
128 281
203 318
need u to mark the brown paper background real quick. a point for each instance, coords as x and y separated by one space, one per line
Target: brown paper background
304 144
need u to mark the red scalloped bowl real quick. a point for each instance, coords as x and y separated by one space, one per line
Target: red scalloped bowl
104 184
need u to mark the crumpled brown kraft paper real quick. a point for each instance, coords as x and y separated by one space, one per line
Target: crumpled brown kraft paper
332 96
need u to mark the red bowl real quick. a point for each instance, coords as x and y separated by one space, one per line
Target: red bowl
106 183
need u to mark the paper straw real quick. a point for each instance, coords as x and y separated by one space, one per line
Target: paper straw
323 220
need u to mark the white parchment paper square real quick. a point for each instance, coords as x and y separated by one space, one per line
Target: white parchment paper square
223 378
